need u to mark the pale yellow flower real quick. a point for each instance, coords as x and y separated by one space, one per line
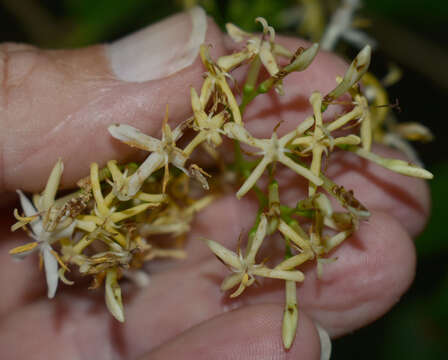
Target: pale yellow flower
244 267
163 153
272 150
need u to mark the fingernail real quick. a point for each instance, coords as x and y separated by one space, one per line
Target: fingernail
159 50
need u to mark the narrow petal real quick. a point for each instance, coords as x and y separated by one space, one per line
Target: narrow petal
52 186
336 240
152 198
347 140
152 163
96 190
119 216
257 240
344 119
292 235
325 343
299 131
66 232
296 275
280 50
113 295
301 170
238 132
231 281
231 101
399 166
133 137
268 59
236 33
254 176
51 269
295 261
228 62
198 108
27 206
224 254
29 210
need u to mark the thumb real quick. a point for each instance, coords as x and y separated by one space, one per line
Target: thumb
58 103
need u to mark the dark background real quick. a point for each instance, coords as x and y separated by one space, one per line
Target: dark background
410 33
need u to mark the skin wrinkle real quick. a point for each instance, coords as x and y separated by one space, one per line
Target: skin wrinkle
129 102
53 135
4 64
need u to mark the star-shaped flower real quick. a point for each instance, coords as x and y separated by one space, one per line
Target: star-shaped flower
341 26
163 153
104 221
272 150
47 227
216 83
263 46
208 126
319 140
244 267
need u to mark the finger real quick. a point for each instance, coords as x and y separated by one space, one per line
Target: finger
372 271
248 333
21 278
401 197
405 198
252 332
59 103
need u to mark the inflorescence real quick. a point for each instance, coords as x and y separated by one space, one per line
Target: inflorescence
112 224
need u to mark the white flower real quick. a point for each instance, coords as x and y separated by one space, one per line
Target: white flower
341 26
43 230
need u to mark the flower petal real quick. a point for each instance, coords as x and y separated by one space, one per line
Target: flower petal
356 70
51 269
29 210
49 194
224 254
133 137
236 33
257 240
113 295
325 342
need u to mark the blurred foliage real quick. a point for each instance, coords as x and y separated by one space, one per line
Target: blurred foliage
434 239
418 327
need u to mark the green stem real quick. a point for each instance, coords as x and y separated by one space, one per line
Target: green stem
249 90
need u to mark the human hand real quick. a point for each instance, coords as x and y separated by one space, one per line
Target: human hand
59 104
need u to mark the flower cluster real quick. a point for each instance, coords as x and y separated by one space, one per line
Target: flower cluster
115 221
